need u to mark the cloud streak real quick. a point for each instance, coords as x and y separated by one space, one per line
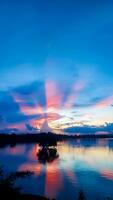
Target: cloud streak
55 102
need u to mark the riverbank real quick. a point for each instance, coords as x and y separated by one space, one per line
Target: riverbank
45 138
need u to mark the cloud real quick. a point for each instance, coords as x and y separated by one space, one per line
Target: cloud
96 102
88 129
50 100
75 92
53 95
105 102
9 130
10 109
31 93
31 128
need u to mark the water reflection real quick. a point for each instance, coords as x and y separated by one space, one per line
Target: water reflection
85 165
53 181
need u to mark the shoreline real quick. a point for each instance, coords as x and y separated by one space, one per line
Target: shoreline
48 137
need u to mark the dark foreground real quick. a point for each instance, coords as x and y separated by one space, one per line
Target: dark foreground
8 190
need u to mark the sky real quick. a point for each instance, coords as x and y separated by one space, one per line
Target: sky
56 65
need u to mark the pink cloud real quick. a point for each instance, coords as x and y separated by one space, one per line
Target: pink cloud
105 102
76 89
53 95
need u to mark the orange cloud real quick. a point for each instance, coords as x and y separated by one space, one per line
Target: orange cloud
46 117
24 108
53 100
17 98
27 110
53 96
19 125
37 123
53 116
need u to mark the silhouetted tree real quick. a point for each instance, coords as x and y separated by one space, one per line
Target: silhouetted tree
81 196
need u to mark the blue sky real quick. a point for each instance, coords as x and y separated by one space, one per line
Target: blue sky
56 64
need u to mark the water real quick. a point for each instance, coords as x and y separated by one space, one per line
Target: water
85 165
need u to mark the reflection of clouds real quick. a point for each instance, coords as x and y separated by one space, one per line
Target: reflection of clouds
108 174
71 176
33 167
52 172
52 176
16 150
53 182
78 158
102 142
74 158
32 153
